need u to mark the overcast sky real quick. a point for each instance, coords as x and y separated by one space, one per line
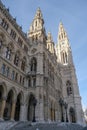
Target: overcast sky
73 14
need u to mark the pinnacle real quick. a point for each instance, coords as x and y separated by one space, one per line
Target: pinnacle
38 13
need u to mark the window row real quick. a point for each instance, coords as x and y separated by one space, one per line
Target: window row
13 75
13 34
9 55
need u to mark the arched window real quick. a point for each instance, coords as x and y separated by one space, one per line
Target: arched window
72 115
69 88
33 64
16 59
8 53
23 64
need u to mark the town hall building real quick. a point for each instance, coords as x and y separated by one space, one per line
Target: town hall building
37 78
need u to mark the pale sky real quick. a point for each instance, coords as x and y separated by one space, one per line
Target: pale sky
73 14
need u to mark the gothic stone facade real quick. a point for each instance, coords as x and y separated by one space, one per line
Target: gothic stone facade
37 78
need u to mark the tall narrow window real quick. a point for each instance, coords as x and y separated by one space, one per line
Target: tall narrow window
3 68
34 81
69 88
16 77
33 65
7 71
23 80
16 60
13 75
20 79
64 57
29 82
23 64
0 44
8 53
66 60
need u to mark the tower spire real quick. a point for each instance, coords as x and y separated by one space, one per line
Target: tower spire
63 49
62 35
37 30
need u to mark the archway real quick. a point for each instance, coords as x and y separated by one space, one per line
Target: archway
8 107
72 115
17 109
31 109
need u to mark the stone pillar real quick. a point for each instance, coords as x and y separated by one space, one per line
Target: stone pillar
2 108
23 112
13 110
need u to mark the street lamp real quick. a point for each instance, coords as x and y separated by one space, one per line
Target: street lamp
34 104
66 106
61 102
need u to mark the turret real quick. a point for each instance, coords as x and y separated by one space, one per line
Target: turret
37 30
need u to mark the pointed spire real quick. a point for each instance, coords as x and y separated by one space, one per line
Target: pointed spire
63 49
62 33
38 13
37 30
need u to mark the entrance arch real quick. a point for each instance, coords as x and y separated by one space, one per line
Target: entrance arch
1 96
17 109
8 107
72 115
30 108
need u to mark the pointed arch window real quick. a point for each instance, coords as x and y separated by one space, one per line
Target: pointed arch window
69 88
33 64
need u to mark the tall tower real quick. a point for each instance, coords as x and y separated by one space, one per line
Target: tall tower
37 30
70 86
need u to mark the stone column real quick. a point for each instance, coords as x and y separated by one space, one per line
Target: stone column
23 112
2 107
13 110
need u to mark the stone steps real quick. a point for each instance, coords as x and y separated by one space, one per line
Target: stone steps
39 126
